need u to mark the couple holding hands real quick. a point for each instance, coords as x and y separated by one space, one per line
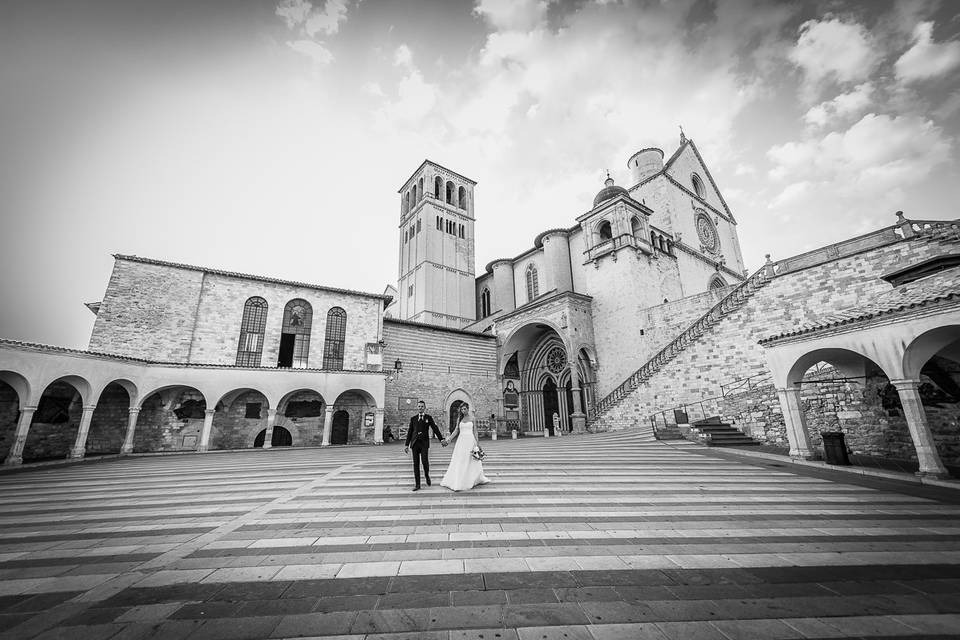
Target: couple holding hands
465 470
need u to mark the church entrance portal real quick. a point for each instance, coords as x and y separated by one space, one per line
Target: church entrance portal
341 428
287 341
550 404
455 413
281 438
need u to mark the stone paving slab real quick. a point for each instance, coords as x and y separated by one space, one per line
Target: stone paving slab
596 537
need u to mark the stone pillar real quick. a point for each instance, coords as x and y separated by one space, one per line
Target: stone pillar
268 436
927 456
378 426
578 417
15 456
207 428
796 424
327 426
132 414
80 445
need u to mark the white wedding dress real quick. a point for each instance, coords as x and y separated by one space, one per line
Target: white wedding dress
464 471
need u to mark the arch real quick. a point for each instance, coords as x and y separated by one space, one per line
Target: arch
79 383
420 186
108 424
295 334
551 403
281 438
849 362
170 419
698 187
653 240
252 327
604 231
437 186
533 284
240 414
231 396
716 282
413 195
56 422
462 198
456 397
636 227
333 342
485 302
451 191
19 384
661 245
945 340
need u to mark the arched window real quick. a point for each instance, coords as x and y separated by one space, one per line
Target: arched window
635 227
413 197
251 332
605 231
669 247
462 198
437 186
716 282
698 185
533 287
663 246
334 339
450 192
653 240
485 302
420 184
295 335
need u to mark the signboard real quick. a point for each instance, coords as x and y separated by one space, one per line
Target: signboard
374 355
511 397
368 419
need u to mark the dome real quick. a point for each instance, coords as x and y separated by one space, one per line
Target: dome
609 191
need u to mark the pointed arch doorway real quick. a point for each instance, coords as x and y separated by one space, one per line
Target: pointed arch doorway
551 404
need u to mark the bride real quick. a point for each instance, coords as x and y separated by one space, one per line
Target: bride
465 471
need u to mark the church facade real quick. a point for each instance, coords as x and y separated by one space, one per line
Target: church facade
636 314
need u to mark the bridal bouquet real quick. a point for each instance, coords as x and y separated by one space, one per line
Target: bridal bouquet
477 453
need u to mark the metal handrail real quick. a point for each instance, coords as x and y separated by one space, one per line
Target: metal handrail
726 305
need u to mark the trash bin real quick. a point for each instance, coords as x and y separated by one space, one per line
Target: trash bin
834 447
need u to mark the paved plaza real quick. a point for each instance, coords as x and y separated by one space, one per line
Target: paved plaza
593 537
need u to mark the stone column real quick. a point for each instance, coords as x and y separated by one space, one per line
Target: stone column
378 426
80 445
207 428
268 436
796 424
927 456
15 456
327 426
132 414
578 417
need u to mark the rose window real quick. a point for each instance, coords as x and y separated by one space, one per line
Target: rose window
556 359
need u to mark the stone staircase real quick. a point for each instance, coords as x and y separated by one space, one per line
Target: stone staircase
713 432
730 303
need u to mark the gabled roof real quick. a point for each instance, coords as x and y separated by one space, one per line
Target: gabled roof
669 163
440 166
939 288
246 276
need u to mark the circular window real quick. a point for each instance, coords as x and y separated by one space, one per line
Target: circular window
706 231
556 359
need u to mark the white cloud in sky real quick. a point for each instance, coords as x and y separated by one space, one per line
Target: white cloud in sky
927 59
834 50
513 15
303 17
852 103
848 173
313 50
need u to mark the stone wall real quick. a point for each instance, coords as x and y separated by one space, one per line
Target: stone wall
159 428
108 425
54 440
729 351
436 363
147 312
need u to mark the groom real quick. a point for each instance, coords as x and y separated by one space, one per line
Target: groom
418 438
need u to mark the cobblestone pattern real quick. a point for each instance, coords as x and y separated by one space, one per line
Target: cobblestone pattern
332 544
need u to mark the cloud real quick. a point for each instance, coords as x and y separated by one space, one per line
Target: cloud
846 174
927 59
852 103
415 97
313 50
513 15
833 50
302 17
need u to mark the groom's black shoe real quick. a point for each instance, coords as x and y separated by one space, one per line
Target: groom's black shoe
428 482
416 488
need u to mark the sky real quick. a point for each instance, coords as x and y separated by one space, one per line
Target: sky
271 137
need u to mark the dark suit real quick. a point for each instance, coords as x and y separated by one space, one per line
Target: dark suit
418 439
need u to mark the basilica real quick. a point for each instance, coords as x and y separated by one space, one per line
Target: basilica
637 314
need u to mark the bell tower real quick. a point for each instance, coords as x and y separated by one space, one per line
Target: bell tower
436 276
